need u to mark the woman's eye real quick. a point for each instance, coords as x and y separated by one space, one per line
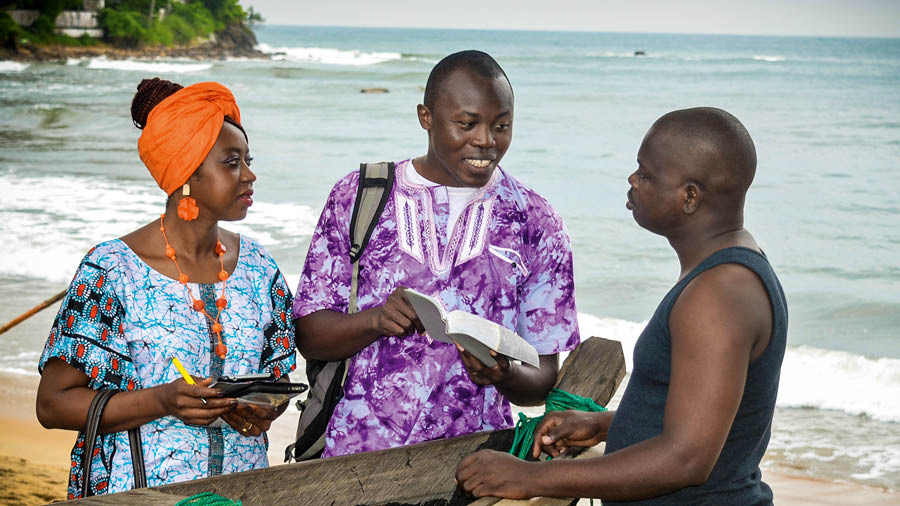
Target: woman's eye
233 162
502 126
248 160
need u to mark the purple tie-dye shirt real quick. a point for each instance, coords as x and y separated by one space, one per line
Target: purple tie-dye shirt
507 259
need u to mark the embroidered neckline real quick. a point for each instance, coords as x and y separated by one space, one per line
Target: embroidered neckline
438 263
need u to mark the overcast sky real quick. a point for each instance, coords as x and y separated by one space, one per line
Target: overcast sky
855 18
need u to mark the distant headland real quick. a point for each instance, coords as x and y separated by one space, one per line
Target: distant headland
55 30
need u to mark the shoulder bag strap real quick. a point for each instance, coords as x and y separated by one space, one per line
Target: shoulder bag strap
91 430
95 411
137 457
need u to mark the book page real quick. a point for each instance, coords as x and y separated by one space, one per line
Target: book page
475 334
462 325
515 346
431 313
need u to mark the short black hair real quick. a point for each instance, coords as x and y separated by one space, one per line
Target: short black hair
479 62
719 142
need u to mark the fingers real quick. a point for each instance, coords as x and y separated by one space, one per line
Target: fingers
502 361
202 416
187 401
481 374
246 426
260 416
491 473
547 436
261 412
398 318
200 390
394 322
466 469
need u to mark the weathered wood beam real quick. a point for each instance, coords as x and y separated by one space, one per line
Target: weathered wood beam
140 497
420 474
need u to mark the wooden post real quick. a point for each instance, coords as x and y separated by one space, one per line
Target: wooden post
411 475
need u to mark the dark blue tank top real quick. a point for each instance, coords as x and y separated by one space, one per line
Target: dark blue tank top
736 478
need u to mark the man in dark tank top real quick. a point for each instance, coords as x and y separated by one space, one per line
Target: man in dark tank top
696 415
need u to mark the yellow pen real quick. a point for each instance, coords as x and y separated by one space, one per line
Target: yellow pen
184 374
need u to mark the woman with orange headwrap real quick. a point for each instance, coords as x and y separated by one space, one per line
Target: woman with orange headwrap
182 287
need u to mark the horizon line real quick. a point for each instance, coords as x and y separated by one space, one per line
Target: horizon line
547 30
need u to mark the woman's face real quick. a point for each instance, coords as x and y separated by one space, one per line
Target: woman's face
223 184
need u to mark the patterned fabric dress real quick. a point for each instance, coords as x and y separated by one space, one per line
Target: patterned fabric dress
507 259
121 322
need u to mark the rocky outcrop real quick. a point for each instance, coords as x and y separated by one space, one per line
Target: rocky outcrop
235 38
234 41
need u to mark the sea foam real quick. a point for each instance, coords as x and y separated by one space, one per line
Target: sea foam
48 233
103 63
768 58
810 377
843 381
12 66
328 56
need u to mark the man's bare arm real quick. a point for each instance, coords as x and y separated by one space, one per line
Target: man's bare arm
329 335
716 324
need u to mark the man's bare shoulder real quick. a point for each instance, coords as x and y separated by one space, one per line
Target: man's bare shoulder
727 302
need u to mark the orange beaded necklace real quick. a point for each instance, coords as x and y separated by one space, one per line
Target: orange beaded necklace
198 305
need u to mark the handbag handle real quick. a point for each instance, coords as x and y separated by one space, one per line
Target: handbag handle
92 424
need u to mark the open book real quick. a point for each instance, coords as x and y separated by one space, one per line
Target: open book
475 334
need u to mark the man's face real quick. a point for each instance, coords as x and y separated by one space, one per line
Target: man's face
655 197
470 127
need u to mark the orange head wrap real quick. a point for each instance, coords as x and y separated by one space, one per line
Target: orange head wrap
182 129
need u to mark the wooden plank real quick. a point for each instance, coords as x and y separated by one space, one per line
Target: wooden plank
411 475
139 497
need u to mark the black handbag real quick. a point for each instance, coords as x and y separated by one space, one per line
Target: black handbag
95 411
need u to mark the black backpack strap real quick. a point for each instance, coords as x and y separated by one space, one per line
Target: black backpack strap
372 193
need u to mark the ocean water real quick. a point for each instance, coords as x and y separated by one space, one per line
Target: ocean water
825 205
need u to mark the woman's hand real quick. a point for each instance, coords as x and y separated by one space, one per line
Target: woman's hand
251 419
561 430
194 404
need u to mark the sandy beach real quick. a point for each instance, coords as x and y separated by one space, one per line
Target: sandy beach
33 460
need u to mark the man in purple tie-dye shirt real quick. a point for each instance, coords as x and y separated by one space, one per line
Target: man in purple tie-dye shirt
458 227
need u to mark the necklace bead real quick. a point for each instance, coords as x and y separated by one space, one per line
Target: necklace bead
198 305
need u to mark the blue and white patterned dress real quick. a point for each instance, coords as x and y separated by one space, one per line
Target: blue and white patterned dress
121 322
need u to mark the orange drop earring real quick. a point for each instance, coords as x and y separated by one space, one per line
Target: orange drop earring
187 206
